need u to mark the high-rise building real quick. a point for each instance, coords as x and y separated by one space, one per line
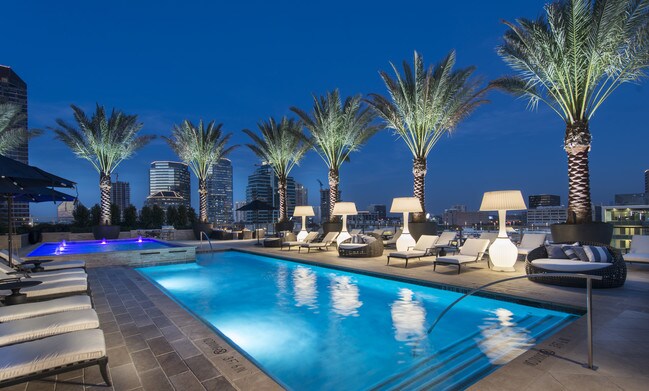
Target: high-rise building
324 204
379 210
262 185
646 181
120 195
239 216
14 90
219 193
536 201
301 194
170 176
544 216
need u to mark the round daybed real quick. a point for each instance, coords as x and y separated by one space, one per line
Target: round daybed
372 247
613 274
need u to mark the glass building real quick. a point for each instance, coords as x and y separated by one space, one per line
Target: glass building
219 193
170 176
120 195
540 200
262 185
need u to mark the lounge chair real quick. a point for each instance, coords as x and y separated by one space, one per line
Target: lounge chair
530 242
46 266
327 241
393 240
44 278
424 247
52 290
369 247
311 236
30 329
446 240
30 310
490 236
355 231
53 355
472 251
639 251
4 268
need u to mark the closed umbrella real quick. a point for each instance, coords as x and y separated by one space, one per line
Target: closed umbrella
256 206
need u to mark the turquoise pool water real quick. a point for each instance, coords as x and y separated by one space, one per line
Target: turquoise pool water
97 246
314 328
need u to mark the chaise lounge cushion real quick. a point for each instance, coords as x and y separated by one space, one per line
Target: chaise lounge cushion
30 310
567 265
52 288
59 265
457 259
636 257
31 357
48 325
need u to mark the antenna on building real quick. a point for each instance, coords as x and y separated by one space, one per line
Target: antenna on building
320 182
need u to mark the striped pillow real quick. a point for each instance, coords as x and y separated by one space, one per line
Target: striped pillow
598 254
570 252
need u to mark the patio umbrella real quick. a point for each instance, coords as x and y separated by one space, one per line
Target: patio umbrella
256 206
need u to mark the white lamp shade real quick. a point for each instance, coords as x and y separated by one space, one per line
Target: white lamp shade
406 204
303 211
502 200
345 208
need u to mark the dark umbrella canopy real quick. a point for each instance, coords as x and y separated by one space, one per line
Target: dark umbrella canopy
24 175
256 205
42 194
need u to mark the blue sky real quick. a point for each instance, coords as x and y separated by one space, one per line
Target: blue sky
239 62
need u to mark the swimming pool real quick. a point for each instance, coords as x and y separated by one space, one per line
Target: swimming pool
97 246
314 328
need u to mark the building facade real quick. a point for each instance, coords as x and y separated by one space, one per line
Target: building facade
301 194
324 204
219 193
540 200
14 90
166 176
378 210
239 216
627 220
544 216
120 195
262 185
463 218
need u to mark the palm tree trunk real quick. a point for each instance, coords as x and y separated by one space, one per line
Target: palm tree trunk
334 179
577 146
104 186
202 197
419 172
283 207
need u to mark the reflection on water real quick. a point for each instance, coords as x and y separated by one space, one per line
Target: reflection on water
408 318
345 296
282 285
502 340
304 288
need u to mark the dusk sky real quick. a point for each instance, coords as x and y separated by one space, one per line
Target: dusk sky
239 62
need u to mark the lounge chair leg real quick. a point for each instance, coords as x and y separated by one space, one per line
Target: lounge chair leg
103 368
458 268
405 267
434 265
388 261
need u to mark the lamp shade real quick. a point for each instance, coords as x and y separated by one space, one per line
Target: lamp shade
502 200
405 205
345 208
303 211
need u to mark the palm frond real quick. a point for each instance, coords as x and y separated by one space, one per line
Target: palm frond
13 127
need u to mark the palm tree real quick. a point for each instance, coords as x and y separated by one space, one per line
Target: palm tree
282 145
105 142
425 104
572 59
200 147
337 129
13 130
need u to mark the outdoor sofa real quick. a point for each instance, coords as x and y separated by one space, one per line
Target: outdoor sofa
361 246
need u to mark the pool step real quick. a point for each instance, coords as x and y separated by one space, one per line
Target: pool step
466 360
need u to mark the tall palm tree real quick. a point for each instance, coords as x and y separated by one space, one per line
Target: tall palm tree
200 147
282 145
573 59
13 131
337 129
105 142
423 105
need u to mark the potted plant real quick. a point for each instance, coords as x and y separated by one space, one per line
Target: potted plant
424 105
337 129
572 60
282 145
105 142
200 147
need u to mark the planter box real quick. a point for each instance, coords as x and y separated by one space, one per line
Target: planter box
594 232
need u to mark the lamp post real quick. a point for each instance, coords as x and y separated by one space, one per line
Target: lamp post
405 205
304 212
503 252
344 209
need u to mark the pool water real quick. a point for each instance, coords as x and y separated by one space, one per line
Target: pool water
97 246
314 328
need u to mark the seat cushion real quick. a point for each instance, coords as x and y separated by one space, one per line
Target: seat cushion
636 257
29 310
56 278
48 325
457 259
407 254
568 265
60 272
52 288
351 246
30 357
59 265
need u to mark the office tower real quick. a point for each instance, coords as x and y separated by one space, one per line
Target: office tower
301 194
219 193
165 176
545 216
536 201
324 204
14 90
646 181
239 216
378 210
262 185
120 195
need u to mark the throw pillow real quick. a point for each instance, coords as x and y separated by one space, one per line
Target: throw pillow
598 254
555 251
570 252
581 253
357 239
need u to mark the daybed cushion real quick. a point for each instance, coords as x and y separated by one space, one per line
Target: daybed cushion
636 257
52 288
555 251
525 251
48 325
408 254
568 265
30 357
29 310
351 246
457 259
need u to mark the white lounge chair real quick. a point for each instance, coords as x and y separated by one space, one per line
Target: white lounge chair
356 231
4 268
445 239
311 236
639 251
424 247
472 251
45 278
327 241
530 242
45 326
393 240
53 355
51 290
30 310
46 266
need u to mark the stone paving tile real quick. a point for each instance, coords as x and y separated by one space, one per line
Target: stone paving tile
218 384
172 364
144 360
125 378
155 380
202 367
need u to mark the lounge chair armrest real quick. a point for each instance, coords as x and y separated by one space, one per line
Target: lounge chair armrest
6 280
19 273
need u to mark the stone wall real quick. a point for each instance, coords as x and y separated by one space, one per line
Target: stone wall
19 241
179 234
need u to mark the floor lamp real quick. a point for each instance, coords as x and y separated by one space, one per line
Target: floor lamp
304 212
344 209
405 205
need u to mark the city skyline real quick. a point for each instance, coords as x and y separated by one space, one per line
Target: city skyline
502 146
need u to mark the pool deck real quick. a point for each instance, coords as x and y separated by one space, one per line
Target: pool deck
154 344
